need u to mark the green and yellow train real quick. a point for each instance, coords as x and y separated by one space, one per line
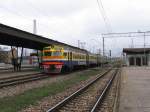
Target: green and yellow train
57 59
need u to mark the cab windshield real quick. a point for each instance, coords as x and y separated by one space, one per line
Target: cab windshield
53 53
47 53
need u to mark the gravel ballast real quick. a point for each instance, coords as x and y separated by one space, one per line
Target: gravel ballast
47 102
31 94
18 89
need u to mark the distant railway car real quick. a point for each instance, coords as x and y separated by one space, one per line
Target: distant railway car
99 59
58 59
92 59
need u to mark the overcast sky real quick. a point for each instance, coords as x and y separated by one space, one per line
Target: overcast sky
72 20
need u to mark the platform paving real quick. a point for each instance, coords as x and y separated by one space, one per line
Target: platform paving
135 90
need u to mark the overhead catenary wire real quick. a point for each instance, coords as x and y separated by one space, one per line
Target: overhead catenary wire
104 16
127 34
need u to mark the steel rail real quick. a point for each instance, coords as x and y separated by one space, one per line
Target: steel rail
20 76
17 76
20 80
100 99
78 92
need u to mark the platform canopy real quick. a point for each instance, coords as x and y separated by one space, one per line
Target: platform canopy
14 37
136 50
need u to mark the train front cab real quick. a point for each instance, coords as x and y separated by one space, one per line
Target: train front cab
52 59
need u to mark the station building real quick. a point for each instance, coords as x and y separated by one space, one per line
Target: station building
136 56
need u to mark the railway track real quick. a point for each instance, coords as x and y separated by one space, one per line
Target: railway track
10 81
19 79
88 97
110 101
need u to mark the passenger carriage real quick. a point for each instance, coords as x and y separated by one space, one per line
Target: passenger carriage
93 60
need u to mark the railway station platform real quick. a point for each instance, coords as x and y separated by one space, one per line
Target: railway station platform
135 90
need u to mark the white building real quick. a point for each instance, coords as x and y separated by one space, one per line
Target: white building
137 56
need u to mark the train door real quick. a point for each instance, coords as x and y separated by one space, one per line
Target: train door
71 60
87 59
68 57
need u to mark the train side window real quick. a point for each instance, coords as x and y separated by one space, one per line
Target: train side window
75 56
71 55
47 53
65 54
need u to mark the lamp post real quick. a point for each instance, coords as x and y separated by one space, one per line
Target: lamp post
144 50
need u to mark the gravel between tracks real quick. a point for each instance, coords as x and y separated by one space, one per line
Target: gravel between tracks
18 89
109 100
21 88
50 101
85 101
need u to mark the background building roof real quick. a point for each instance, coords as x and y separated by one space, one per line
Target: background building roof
136 50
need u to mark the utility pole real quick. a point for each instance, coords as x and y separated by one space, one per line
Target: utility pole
144 50
103 46
110 54
103 51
